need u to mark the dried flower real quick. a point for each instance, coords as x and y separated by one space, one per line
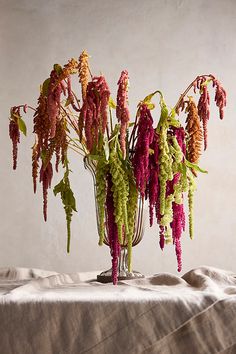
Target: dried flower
53 103
14 134
220 97
83 72
203 110
195 135
46 174
35 164
94 111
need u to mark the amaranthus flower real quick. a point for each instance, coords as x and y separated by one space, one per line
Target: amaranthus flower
53 104
195 136
122 111
94 110
14 134
153 186
141 155
220 97
46 174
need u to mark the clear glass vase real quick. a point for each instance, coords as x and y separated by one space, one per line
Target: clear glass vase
123 272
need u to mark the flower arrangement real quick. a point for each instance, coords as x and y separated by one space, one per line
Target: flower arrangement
156 162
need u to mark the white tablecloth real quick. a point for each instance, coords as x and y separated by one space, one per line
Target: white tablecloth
50 313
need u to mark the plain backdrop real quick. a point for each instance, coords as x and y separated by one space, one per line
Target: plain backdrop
164 45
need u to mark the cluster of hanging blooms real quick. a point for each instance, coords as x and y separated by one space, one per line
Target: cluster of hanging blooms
135 161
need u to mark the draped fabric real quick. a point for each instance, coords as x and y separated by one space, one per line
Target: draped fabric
44 312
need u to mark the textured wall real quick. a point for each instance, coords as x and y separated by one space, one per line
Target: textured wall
163 45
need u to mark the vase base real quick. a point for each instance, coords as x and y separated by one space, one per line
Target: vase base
106 277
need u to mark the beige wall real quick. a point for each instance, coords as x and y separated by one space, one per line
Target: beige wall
163 45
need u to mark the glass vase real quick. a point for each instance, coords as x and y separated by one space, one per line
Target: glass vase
122 267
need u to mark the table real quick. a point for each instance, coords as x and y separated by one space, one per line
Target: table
44 312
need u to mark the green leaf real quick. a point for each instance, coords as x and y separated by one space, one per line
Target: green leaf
174 122
22 125
59 187
70 199
94 157
194 166
111 103
57 68
150 106
45 87
182 169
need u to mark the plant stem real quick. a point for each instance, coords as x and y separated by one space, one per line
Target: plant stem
189 88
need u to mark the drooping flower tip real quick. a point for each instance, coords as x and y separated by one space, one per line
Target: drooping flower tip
14 134
220 97
46 175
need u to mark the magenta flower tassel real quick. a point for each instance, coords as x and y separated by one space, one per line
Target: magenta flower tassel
204 111
14 134
122 111
46 178
141 155
153 186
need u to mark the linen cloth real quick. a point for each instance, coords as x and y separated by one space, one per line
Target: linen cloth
44 312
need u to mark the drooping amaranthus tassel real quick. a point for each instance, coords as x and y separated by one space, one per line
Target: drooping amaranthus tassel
122 111
153 186
220 97
203 108
178 221
60 142
162 237
165 167
195 136
141 155
112 230
46 174
14 134
53 101
35 164
94 111
120 189
83 72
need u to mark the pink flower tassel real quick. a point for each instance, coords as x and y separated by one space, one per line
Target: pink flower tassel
46 178
141 155
220 97
94 111
153 180
204 111
122 111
